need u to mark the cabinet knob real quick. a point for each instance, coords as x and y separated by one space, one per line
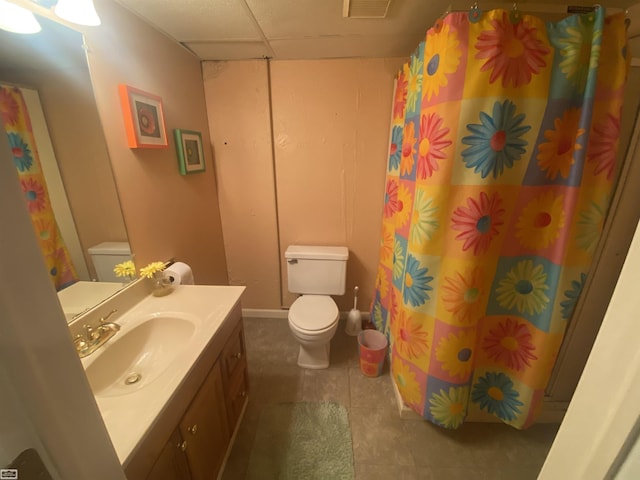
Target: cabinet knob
193 429
237 355
183 445
243 393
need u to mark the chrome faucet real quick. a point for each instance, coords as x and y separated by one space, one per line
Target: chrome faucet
94 338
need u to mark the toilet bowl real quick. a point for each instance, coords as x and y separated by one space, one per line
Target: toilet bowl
313 320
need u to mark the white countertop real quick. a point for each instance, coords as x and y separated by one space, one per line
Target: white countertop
82 295
129 416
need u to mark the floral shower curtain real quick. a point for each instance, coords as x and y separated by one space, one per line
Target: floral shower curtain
17 125
503 152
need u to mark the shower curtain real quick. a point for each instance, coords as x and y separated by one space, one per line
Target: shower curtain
503 151
27 161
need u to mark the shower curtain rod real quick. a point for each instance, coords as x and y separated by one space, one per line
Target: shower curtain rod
550 8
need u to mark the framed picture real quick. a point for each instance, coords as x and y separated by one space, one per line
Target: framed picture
190 154
143 118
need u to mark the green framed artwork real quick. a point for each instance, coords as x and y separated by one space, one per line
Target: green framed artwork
190 153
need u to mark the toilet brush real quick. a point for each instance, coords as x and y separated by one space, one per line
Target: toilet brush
354 319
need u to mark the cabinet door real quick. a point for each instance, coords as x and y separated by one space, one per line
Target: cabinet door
237 397
236 383
172 462
204 428
233 355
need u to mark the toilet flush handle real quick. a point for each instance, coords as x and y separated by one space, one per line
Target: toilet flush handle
292 261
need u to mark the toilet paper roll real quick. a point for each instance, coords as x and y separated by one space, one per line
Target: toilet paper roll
180 274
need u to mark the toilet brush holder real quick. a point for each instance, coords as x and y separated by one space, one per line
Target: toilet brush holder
354 318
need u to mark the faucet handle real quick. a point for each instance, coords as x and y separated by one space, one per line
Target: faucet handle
91 333
106 317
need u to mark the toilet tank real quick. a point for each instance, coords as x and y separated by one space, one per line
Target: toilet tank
316 269
107 255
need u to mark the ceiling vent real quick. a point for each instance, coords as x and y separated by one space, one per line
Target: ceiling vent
365 8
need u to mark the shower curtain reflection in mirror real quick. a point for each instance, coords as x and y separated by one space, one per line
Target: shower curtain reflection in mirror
26 157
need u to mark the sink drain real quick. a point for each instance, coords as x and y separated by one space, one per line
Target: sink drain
133 378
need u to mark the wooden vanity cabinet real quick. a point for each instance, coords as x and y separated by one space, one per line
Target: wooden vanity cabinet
198 427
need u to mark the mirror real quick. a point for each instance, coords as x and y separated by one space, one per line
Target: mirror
50 69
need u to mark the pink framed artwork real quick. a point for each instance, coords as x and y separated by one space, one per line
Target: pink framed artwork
143 118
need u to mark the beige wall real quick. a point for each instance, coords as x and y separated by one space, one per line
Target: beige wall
167 215
319 179
239 120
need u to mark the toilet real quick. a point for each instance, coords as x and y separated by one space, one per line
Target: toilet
107 255
315 272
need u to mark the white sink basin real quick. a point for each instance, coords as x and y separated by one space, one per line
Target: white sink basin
136 356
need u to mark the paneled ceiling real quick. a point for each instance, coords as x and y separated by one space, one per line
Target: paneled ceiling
306 29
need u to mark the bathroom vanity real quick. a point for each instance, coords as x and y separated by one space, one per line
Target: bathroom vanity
200 435
172 383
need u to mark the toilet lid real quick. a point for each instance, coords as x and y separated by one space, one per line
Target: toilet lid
313 312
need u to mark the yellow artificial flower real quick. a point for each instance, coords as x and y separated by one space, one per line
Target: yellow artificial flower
125 269
152 268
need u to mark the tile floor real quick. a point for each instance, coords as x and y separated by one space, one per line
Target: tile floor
384 445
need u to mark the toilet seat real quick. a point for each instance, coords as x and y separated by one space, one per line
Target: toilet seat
313 313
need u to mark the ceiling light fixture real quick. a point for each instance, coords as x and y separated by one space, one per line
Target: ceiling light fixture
17 19
81 12
18 15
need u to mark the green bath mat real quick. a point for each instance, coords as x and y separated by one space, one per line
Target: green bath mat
303 440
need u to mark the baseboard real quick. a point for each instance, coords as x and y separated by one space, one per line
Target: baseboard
364 315
275 313
264 313
403 410
552 411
